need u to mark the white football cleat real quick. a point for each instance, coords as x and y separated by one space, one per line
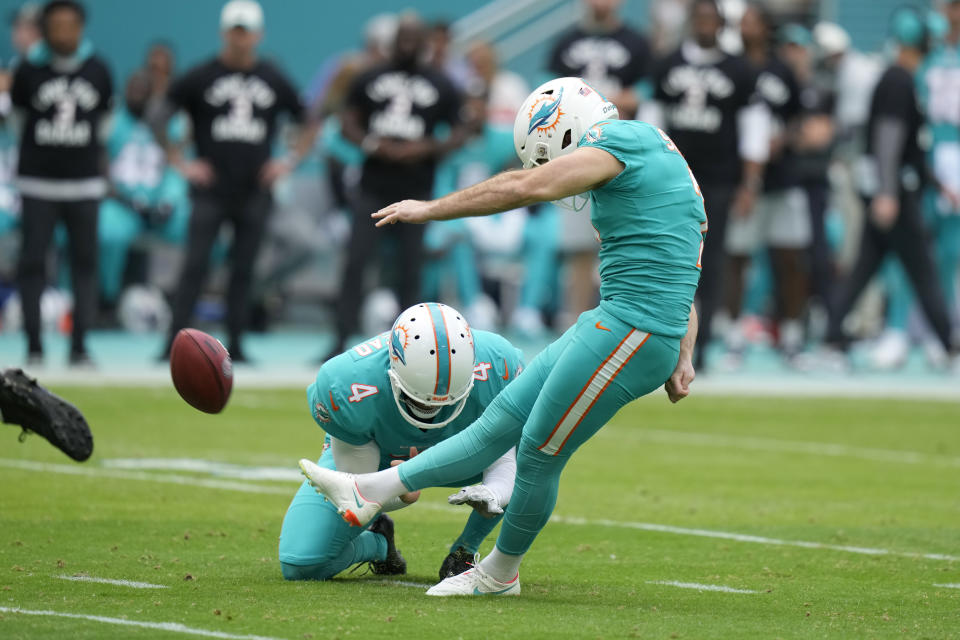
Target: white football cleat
341 489
474 582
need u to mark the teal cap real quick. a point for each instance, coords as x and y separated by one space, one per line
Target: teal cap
908 28
797 34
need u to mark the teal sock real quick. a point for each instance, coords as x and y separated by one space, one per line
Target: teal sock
475 532
899 294
534 497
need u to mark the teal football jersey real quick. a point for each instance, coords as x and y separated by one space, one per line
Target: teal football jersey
352 400
138 167
651 223
938 88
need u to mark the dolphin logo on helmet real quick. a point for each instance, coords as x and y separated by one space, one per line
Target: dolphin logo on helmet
398 343
547 110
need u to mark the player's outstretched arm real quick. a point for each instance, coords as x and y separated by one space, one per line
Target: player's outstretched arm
585 169
678 385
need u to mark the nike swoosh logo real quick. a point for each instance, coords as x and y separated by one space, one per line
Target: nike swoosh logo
477 592
333 405
506 370
598 326
357 500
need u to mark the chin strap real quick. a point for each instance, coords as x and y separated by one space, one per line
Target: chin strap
423 414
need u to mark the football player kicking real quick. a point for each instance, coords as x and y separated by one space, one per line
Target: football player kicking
383 401
650 221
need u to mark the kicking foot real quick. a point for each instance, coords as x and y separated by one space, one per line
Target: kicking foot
393 564
341 489
24 402
474 582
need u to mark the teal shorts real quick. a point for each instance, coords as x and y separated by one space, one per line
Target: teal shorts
580 381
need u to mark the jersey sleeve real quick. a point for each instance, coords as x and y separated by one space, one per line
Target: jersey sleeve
453 103
498 362
20 90
288 98
183 91
357 94
895 97
617 140
332 414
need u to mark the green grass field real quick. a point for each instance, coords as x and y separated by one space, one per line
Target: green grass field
836 518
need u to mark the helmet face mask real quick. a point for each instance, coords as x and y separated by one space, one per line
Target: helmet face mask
553 119
431 364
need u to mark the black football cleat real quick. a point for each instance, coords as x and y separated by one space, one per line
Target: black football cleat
393 564
25 403
456 563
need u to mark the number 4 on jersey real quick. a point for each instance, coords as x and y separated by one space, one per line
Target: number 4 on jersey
361 391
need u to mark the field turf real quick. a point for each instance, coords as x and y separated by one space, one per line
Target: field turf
814 518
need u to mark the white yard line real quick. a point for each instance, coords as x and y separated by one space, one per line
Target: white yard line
741 537
700 587
249 487
122 474
949 585
404 583
773 445
173 627
195 465
776 384
120 583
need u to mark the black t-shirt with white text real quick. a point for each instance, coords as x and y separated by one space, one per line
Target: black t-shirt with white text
234 115
778 88
701 103
402 104
63 114
609 62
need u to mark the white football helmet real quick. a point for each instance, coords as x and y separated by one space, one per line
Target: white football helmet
555 117
431 364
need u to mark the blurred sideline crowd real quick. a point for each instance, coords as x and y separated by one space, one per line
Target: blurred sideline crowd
224 194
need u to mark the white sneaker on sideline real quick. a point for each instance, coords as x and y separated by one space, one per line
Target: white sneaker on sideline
891 350
527 322
341 489
937 356
474 582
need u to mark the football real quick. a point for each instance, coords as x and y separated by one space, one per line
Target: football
201 370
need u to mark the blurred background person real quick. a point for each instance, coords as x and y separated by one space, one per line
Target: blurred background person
616 60
892 175
392 112
145 195
938 87
159 66
24 33
440 55
812 143
779 224
327 94
606 52
668 22
233 102
65 92
707 101
506 90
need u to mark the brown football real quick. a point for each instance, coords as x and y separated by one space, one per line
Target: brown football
201 370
